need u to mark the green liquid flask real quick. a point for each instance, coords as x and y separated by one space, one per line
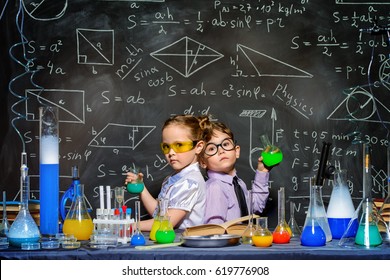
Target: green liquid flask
271 154
368 233
165 233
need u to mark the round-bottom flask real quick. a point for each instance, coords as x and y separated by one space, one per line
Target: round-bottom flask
282 232
262 237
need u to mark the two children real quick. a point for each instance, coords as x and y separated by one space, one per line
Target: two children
186 141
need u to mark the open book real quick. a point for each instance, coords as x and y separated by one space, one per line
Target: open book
229 227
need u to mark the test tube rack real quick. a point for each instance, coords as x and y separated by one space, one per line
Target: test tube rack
123 228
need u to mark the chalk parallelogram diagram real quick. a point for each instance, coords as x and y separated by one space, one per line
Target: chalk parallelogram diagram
186 56
131 136
252 63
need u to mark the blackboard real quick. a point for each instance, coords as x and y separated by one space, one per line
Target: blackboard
303 72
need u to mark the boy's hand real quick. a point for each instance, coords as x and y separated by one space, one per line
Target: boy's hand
262 167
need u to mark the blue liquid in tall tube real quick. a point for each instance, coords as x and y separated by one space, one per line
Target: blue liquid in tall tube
49 192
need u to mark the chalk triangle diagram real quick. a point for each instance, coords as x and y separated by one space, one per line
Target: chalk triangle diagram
257 64
361 105
132 136
95 46
70 104
186 56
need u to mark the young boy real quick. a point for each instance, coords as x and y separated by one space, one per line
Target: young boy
222 200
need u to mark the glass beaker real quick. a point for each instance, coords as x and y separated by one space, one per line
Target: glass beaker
136 186
262 237
282 232
340 208
368 233
292 223
250 229
137 238
49 168
271 154
24 229
316 222
78 222
5 225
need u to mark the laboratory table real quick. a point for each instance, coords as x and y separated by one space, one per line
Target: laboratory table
290 251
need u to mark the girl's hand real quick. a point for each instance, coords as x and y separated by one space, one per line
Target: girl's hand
132 177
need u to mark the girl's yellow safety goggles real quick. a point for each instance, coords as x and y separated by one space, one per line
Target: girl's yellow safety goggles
178 147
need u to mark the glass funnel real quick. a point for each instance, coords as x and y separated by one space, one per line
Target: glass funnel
262 237
340 208
292 223
250 229
282 232
78 222
24 229
4 226
137 238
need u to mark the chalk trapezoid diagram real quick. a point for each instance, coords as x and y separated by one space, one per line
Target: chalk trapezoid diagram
262 65
95 46
45 10
69 102
361 105
108 136
186 56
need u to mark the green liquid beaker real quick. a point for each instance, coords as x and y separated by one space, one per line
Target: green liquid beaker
271 154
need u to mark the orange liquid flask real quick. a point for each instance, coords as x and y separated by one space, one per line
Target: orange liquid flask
282 232
262 237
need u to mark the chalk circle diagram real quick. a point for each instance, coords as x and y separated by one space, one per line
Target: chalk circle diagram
252 63
95 46
45 10
108 136
361 105
384 73
70 104
186 56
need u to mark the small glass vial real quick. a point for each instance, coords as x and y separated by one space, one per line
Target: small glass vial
262 237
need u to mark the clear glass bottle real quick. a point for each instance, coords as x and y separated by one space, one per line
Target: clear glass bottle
368 233
78 222
340 208
24 229
250 229
262 237
282 232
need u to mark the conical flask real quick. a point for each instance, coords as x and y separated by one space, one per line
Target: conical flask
250 228
162 204
78 221
24 229
292 223
165 233
282 232
340 208
368 233
316 222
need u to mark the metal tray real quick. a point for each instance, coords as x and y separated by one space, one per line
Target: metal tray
220 240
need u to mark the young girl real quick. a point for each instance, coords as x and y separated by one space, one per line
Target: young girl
185 187
219 158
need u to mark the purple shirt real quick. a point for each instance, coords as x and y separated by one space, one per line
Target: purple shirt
221 200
